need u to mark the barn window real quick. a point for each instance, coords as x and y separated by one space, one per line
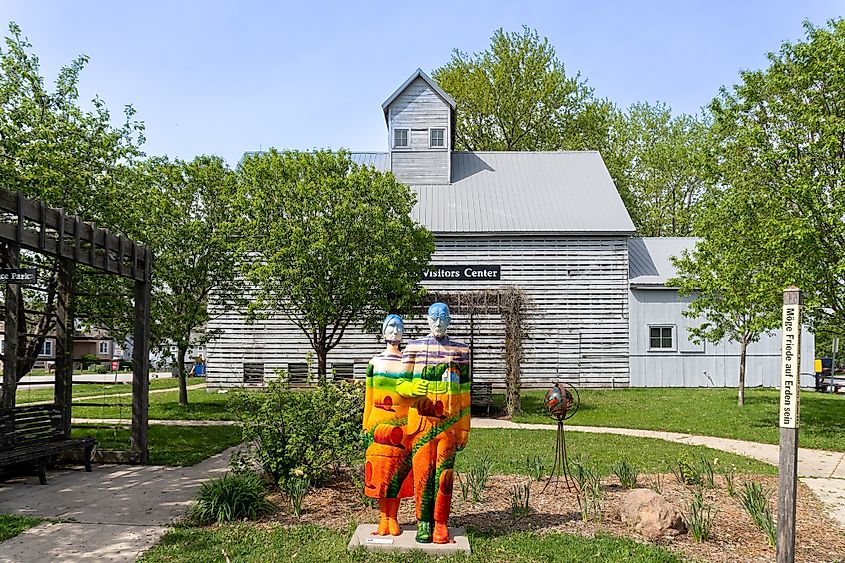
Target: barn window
661 338
253 373
438 138
400 137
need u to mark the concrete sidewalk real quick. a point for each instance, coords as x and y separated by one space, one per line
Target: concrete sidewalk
114 513
821 470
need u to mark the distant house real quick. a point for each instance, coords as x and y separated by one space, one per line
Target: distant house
96 342
662 352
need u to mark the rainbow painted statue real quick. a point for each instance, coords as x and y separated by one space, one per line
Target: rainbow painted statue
416 417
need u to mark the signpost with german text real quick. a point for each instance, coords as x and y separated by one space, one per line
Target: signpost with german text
790 384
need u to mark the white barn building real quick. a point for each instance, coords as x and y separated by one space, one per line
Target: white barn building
551 223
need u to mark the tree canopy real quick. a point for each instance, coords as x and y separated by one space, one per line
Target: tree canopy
516 96
659 163
780 140
331 242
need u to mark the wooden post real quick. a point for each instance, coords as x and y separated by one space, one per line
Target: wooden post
64 342
141 364
11 332
790 385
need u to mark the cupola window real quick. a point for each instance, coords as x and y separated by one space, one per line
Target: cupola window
400 137
438 138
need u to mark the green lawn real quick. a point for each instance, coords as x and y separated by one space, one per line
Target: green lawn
169 445
165 406
707 412
508 449
244 543
11 525
46 393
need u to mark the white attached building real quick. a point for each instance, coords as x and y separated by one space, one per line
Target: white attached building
662 353
551 223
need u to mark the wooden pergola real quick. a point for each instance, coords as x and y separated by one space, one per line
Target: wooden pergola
32 225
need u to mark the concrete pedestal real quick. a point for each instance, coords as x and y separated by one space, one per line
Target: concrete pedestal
406 541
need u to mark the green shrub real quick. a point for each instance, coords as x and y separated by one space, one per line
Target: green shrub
313 432
232 497
687 470
296 488
88 359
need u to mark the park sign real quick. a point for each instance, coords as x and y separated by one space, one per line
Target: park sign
19 275
790 365
463 273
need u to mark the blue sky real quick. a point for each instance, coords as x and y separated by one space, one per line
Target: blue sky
226 77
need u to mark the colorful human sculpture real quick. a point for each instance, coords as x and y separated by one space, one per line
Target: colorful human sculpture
388 454
438 420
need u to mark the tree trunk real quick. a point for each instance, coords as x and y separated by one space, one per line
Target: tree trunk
322 362
183 383
743 347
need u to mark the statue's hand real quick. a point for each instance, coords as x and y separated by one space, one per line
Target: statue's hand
419 388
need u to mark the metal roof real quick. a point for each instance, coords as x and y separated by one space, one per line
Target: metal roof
379 160
524 192
649 259
419 74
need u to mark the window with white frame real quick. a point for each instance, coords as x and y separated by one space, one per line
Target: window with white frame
104 347
661 337
400 137
46 348
437 138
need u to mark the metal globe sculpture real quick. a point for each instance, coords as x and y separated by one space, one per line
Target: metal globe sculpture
561 402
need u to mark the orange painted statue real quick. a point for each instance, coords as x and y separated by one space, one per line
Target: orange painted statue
438 420
387 470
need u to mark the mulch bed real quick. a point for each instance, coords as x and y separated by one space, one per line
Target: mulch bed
734 536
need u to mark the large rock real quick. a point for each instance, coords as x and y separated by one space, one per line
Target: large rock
650 514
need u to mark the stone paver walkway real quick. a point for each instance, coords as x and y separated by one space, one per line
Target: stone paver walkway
114 513
823 471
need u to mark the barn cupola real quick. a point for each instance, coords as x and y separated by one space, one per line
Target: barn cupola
420 120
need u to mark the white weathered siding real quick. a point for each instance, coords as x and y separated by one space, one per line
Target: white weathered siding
577 328
419 108
705 364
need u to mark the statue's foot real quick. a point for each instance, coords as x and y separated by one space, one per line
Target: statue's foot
393 526
441 533
383 526
424 532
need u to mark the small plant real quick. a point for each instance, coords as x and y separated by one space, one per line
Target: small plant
296 487
519 500
729 475
476 477
536 468
464 487
656 483
699 518
234 496
706 472
755 500
686 471
589 493
627 473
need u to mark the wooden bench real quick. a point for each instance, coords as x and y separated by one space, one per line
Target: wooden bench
34 433
482 394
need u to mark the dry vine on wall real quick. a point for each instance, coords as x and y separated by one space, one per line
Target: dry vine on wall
511 303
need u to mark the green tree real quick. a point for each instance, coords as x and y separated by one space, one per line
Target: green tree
659 164
330 242
516 96
51 149
736 293
188 211
780 138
